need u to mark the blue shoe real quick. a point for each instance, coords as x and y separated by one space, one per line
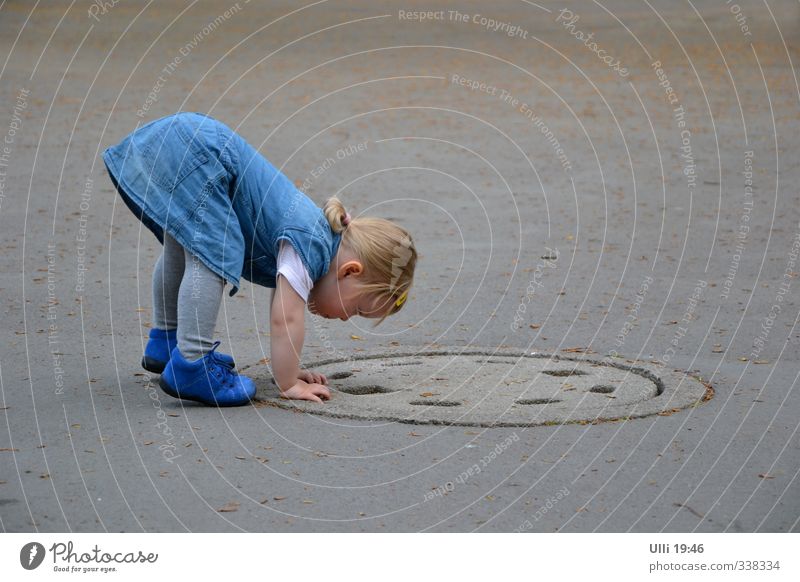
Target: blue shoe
158 349
210 380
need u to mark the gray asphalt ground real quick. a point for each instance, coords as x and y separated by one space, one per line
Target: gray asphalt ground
674 244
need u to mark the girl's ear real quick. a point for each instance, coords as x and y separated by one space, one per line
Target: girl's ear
352 267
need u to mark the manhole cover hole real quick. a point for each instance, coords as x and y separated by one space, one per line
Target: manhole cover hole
491 388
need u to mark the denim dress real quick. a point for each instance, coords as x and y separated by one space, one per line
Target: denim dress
195 178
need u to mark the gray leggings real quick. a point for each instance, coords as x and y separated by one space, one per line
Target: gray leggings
186 298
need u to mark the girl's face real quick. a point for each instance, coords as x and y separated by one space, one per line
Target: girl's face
336 295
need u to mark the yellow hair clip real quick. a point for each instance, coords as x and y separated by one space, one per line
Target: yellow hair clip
402 298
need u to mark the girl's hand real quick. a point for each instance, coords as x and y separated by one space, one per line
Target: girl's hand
303 390
312 377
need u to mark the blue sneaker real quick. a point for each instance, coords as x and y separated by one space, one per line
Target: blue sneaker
210 380
159 348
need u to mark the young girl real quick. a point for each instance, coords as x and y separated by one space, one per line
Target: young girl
222 211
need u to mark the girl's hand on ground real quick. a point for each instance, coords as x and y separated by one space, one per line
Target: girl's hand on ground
303 390
312 377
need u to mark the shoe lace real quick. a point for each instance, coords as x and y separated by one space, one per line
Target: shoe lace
223 368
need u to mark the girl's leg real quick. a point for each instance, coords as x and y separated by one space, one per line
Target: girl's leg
199 299
167 277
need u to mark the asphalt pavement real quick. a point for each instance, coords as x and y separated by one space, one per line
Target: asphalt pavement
616 180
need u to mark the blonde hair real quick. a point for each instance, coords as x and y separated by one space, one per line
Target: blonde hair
384 248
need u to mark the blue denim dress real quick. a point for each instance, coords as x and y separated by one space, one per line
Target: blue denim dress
194 177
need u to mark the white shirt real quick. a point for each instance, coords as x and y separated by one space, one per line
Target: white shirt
290 265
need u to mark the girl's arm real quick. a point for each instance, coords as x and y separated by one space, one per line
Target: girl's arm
287 323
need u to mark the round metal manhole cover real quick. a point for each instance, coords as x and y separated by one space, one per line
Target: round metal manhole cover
493 388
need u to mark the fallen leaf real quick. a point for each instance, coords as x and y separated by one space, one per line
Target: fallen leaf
693 511
232 506
279 497
761 361
241 457
513 381
355 337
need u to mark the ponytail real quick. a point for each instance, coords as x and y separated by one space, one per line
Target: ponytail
335 213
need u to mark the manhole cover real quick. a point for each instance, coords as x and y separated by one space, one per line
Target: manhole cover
493 388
